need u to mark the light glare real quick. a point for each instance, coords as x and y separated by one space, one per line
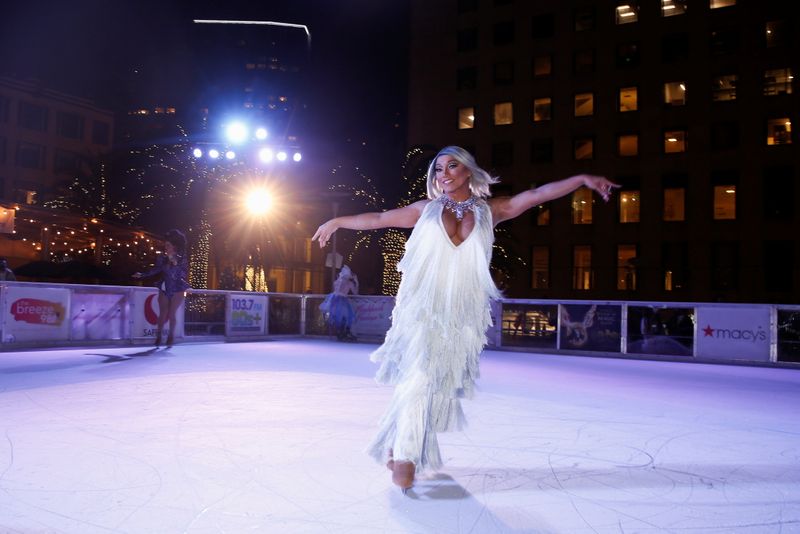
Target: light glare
265 155
258 201
236 132
261 134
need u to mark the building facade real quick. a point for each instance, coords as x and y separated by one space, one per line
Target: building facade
46 137
688 105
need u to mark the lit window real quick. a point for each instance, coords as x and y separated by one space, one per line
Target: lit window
628 99
584 104
541 268
777 82
629 206
466 118
543 215
626 267
503 113
724 88
542 66
716 4
670 8
779 131
627 12
724 202
675 93
674 204
675 141
582 267
542 109
582 201
584 148
628 145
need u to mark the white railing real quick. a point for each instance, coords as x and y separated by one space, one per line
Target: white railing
43 314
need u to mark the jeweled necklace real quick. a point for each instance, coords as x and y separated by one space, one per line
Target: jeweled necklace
459 208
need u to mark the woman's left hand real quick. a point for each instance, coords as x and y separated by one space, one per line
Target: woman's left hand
601 184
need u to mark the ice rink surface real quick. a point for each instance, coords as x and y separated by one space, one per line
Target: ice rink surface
269 437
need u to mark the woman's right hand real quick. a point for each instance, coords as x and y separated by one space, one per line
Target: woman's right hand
324 232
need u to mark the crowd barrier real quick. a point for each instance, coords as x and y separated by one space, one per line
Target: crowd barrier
42 315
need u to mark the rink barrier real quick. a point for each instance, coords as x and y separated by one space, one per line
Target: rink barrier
53 315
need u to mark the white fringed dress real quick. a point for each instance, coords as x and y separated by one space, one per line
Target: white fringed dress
438 331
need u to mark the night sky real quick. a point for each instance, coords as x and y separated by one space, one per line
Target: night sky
357 74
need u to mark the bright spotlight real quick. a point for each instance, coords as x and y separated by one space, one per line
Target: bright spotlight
236 132
282 156
197 153
265 155
258 201
230 154
213 153
297 156
261 134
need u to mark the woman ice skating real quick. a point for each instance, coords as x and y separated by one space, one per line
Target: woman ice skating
173 268
441 313
338 312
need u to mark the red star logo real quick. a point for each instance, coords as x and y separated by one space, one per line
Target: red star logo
708 331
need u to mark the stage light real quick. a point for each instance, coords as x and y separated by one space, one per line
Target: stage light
297 156
265 155
230 154
282 156
258 201
197 153
236 132
213 153
261 134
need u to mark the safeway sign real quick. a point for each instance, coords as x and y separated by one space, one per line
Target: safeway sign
740 333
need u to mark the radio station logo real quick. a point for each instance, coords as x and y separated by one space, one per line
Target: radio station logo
36 311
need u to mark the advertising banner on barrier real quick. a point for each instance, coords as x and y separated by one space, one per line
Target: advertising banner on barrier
740 333
595 327
530 325
245 315
36 314
98 315
144 312
660 330
373 315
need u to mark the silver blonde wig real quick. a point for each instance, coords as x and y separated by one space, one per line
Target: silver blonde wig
479 180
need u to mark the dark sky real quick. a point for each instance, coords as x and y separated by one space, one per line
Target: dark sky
88 48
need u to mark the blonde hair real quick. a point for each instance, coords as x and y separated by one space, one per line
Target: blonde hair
479 180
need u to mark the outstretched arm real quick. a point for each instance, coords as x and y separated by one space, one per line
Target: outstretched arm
405 217
506 208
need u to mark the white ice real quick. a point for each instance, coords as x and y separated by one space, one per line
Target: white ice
269 437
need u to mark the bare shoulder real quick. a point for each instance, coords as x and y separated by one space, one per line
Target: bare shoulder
419 205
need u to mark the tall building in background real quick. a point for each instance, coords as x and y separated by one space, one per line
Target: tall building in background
46 138
689 105
235 126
